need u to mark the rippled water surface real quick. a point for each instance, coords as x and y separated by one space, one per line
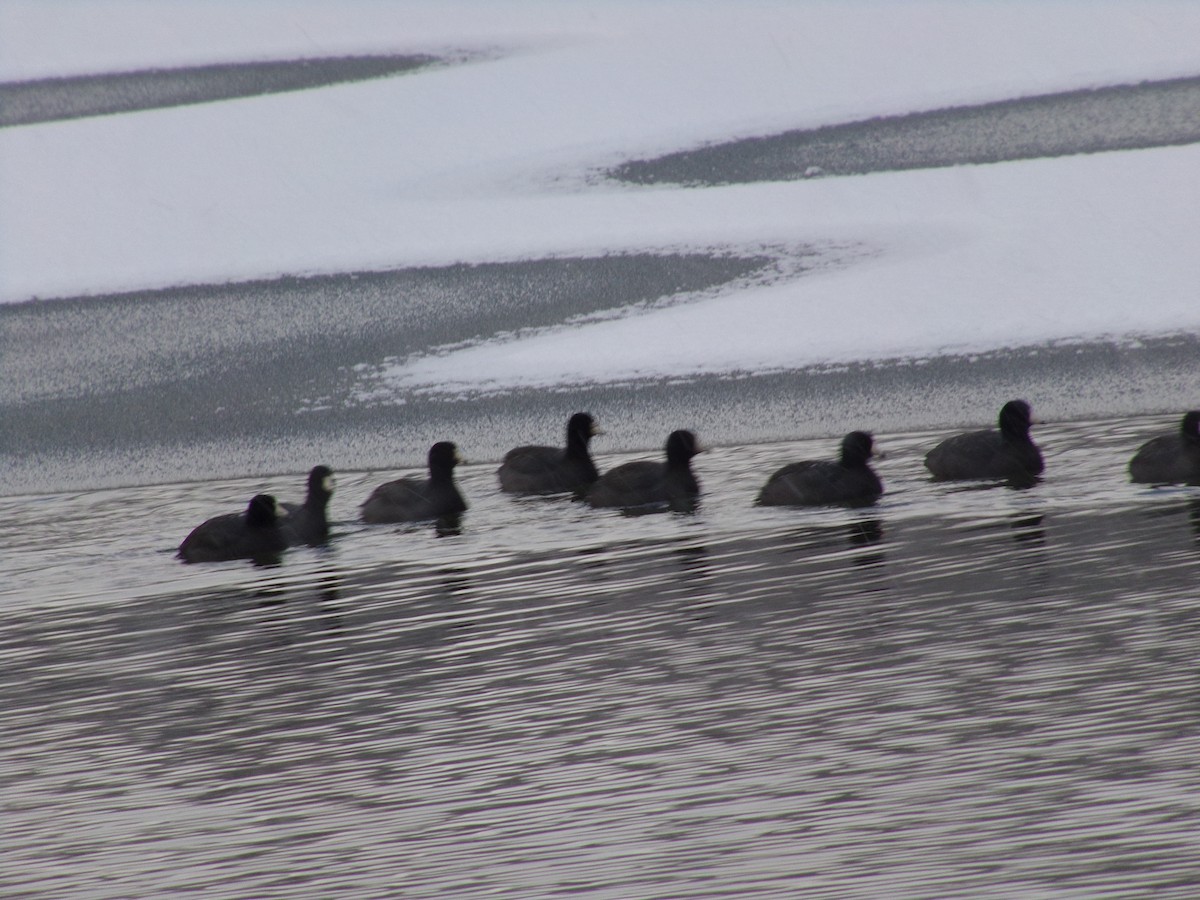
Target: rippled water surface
955 693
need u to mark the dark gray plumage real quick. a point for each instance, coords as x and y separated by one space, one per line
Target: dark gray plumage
253 534
307 522
848 480
1170 458
647 483
1008 453
415 499
552 470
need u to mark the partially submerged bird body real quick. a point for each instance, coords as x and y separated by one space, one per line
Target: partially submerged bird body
416 499
538 469
1170 458
1005 454
307 522
253 534
646 483
849 480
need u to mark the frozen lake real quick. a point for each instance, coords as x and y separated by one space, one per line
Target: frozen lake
270 376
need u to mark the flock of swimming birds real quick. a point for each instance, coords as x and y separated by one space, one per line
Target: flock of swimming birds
267 528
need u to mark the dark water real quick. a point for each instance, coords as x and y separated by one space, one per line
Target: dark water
957 693
56 99
220 381
1121 117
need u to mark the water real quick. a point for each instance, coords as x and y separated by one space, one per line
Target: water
1122 117
955 693
253 378
59 99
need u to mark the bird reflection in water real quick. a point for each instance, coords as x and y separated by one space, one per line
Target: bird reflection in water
453 582
694 560
1027 529
697 578
867 533
448 525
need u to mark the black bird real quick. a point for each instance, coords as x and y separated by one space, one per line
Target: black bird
551 470
253 534
1170 458
306 522
648 483
415 499
849 480
1008 454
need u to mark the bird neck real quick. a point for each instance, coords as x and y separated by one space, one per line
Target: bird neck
577 445
441 475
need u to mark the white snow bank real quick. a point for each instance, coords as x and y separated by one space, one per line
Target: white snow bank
484 162
970 258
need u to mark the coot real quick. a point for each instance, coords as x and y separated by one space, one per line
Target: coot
1170 458
253 534
1008 453
415 499
552 470
648 483
306 522
849 480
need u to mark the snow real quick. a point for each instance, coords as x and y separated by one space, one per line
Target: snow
489 160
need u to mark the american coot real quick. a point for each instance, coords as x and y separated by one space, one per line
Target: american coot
1007 454
1170 458
253 534
550 470
306 522
647 483
849 480
414 499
